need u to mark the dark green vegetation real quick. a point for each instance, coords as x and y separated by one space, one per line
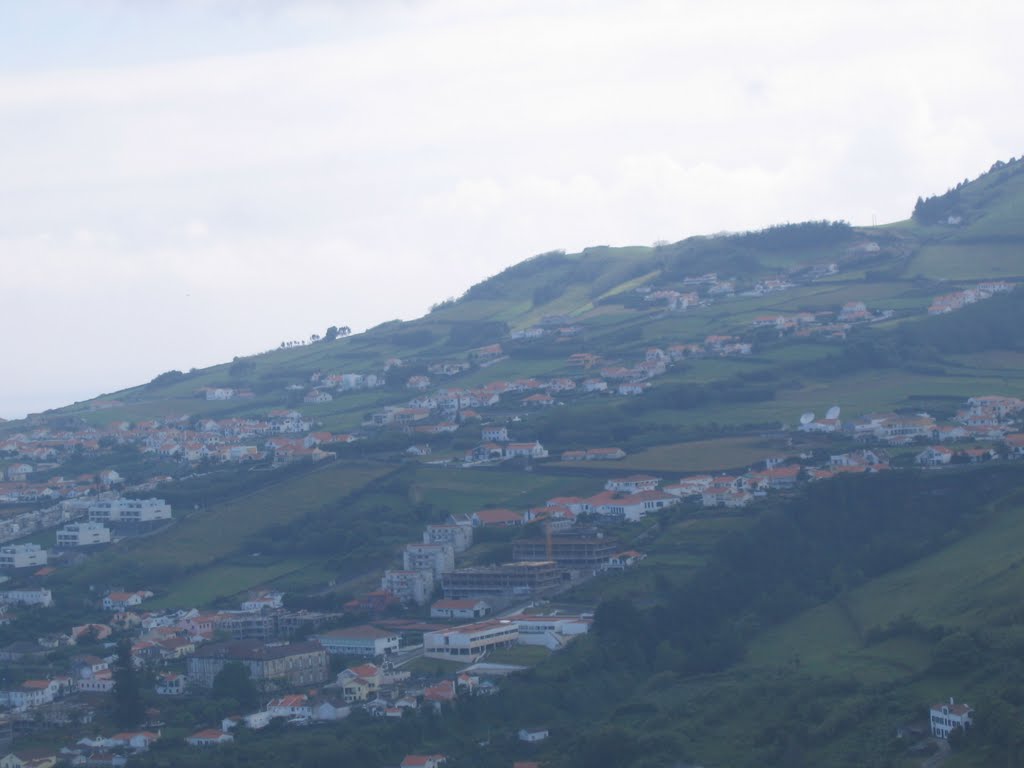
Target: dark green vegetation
798 633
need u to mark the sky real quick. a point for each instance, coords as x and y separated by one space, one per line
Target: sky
184 181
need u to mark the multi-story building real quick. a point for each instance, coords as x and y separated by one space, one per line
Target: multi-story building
506 580
83 535
359 641
22 556
129 511
470 641
436 558
409 586
292 663
569 549
459 536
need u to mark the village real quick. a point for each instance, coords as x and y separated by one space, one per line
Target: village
428 608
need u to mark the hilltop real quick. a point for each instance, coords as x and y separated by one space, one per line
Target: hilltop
767 395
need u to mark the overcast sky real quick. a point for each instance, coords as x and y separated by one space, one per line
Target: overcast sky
183 182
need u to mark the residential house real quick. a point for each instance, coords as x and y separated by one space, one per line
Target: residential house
296 705
469 608
533 735
934 456
171 684
211 737
532 450
633 484
497 517
38 757
122 601
944 718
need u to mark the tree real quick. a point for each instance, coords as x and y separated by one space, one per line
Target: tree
331 333
128 709
235 682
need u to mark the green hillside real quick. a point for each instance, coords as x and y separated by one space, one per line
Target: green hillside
801 630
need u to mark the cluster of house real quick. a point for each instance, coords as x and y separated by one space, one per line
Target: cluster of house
697 290
983 417
951 302
324 383
828 324
283 434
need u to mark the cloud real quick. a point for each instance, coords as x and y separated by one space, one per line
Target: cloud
219 176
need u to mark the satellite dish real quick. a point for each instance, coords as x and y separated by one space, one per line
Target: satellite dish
833 412
807 418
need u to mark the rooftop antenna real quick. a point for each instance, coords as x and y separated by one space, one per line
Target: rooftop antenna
833 412
807 418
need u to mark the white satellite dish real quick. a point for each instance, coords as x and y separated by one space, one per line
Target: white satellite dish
833 412
807 418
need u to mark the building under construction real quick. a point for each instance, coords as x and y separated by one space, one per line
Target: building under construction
588 550
506 580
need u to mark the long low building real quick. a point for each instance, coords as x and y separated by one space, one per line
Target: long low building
359 641
506 580
470 641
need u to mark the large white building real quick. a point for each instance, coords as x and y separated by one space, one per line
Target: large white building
409 586
36 596
359 641
459 536
436 558
129 511
22 556
83 535
469 641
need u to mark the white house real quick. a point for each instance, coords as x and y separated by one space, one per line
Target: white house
494 435
171 684
632 484
532 450
121 601
533 735
934 456
211 737
460 609
296 705
945 717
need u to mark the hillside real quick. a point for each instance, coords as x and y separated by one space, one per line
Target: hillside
753 365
